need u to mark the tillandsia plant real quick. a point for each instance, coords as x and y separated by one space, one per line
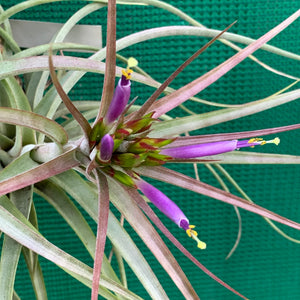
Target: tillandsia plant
106 151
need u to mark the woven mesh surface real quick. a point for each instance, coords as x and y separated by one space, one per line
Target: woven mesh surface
265 265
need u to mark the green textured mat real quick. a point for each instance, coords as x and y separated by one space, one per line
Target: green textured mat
265 265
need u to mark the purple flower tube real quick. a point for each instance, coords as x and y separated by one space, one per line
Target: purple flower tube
169 208
207 149
106 147
200 150
162 202
120 98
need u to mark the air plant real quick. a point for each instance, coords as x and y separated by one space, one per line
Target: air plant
107 153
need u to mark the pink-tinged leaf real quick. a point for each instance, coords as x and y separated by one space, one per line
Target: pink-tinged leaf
34 121
167 82
38 173
191 184
11 250
155 219
110 66
103 210
41 63
244 157
84 124
185 124
15 225
209 138
87 196
171 101
151 238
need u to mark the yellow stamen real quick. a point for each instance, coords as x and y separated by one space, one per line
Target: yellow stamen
262 142
131 62
193 234
255 140
127 73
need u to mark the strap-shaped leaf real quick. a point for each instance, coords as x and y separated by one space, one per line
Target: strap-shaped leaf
15 225
37 122
13 179
151 238
171 101
67 209
244 157
11 249
185 124
155 219
84 124
176 178
21 164
36 274
17 99
40 63
110 66
103 212
209 138
87 197
195 23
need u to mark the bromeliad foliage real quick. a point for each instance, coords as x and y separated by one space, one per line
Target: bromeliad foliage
124 144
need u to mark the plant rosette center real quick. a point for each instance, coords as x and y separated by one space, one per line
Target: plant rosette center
126 145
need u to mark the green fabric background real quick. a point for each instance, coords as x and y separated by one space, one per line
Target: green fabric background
265 265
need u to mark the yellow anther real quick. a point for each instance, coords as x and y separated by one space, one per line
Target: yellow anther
262 142
255 140
193 234
127 73
131 62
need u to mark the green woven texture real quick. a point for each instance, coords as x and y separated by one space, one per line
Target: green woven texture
265 265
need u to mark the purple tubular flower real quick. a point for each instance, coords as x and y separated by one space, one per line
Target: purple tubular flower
169 208
120 98
207 149
200 150
106 147
163 203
